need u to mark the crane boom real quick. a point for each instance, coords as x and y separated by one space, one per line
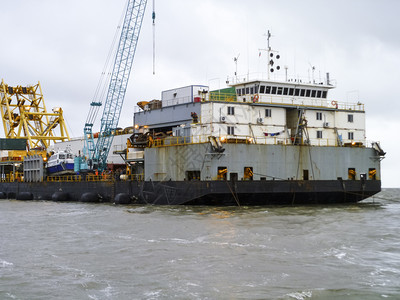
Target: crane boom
132 24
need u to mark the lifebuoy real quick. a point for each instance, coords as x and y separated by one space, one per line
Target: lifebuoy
334 103
256 97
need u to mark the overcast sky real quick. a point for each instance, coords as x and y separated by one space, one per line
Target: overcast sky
64 45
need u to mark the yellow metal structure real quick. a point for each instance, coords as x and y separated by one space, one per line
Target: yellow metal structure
24 115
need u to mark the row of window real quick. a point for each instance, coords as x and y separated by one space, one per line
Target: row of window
231 112
279 90
268 114
350 135
350 117
222 173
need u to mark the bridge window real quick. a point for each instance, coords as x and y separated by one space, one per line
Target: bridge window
297 92
273 90
252 90
262 89
285 91
280 90
238 92
318 94
324 94
308 93
291 91
313 92
247 90
268 90
302 92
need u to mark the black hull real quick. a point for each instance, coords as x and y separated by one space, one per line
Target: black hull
197 192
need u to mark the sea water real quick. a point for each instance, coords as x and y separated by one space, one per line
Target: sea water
52 250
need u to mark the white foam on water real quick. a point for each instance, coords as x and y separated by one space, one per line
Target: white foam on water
5 264
301 295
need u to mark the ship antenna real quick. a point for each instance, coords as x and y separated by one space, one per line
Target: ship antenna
235 59
268 49
270 52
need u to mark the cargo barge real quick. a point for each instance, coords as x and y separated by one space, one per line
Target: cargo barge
258 142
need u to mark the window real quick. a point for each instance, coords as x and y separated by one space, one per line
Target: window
262 89
238 92
248 173
247 90
243 91
305 174
308 93
350 118
231 130
313 92
319 134
256 89
352 173
192 175
372 173
351 135
268 90
252 90
291 91
324 94
233 176
285 91
222 171
273 90
231 110
302 92
318 94
319 116
297 92
268 113
280 90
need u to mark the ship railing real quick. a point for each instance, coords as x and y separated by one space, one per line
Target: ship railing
279 78
135 177
285 100
281 139
313 102
64 178
101 177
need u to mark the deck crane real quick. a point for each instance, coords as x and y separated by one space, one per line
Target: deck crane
97 153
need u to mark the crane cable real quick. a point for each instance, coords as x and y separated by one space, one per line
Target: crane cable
102 85
153 15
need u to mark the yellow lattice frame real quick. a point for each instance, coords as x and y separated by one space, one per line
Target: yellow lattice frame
24 115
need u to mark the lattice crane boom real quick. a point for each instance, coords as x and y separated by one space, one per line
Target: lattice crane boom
132 24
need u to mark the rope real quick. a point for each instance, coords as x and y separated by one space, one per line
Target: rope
233 194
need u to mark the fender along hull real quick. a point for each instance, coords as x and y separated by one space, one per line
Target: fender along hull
218 193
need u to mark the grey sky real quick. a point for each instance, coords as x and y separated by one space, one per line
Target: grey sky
64 45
